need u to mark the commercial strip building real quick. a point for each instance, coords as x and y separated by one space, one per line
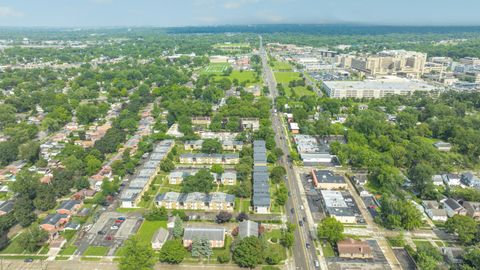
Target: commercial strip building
375 88
261 185
312 151
324 179
132 195
214 201
336 206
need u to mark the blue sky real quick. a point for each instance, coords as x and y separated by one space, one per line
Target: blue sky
216 12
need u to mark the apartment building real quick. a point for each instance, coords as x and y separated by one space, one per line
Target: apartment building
215 201
201 158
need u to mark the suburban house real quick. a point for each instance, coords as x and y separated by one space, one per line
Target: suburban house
69 207
159 238
433 211
229 145
354 249
443 146
473 209
453 255
176 177
247 228
250 123
54 222
470 180
451 179
437 180
228 178
6 207
453 208
201 158
193 145
84 194
216 236
324 179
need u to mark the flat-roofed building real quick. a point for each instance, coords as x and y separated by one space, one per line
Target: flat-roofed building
201 120
337 207
375 88
324 179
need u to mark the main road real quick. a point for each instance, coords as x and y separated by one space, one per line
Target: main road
303 257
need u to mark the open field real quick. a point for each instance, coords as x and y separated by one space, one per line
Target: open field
215 68
242 76
96 251
286 77
148 228
281 66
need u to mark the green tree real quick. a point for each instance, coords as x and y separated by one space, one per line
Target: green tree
217 168
210 146
278 173
201 248
202 181
137 256
248 252
330 229
167 165
464 226
172 252
281 195
29 151
157 214
32 239
178 227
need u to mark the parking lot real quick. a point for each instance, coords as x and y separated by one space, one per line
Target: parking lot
316 204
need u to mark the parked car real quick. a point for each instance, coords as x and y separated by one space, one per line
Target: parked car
307 245
304 219
300 223
28 260
114 227
292 210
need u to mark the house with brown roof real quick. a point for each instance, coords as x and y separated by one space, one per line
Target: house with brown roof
354 249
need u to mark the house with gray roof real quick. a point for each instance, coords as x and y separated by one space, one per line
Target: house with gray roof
453 208
159 238
214 235
247 228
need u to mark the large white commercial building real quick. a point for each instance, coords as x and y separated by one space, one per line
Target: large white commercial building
375 88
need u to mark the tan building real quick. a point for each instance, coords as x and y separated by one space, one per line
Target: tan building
353 249
394 62
324 179
473 209
250 123
201 158
201 120
196 201
215 236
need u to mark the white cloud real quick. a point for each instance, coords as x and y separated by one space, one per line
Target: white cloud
9 12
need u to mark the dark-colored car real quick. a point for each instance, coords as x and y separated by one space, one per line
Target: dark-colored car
300 223
304 219
28 260
307 245
292 210
101 232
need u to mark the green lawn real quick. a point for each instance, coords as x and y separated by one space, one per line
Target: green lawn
96 251
242 76
68 250
286 77
276 233
281 66
420 243
14 248
328 250
215 68
148 228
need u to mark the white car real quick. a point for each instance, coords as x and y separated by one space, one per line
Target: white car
114 227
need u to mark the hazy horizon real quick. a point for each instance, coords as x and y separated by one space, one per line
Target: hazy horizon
150 13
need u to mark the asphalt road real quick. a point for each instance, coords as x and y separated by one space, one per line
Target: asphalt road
303 257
